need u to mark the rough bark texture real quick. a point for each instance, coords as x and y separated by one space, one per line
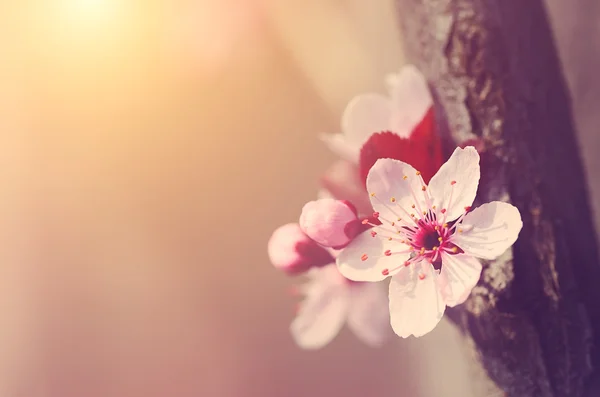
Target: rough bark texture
535 315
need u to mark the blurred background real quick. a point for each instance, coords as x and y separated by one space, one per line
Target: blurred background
149 148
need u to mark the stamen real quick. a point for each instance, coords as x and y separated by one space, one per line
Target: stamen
443 211
373 233
412 206
421 276
364 257
418 173
440 239
423 188
373 194
385 272
365 221
405 177
453 183
393 199
375 215
468 208
387 253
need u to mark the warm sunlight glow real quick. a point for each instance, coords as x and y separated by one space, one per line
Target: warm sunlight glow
91 13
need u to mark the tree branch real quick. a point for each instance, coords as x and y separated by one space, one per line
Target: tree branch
535 315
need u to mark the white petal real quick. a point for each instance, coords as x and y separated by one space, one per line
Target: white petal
364 116
343 182
369 313
385 179
489 230
462 167
416 306
351 265
411 99
323 312
462 273
340 145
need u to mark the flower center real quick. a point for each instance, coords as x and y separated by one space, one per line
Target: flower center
424 237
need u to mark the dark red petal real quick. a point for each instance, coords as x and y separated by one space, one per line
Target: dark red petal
422 149
313 255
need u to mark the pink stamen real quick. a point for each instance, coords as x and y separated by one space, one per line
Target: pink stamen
364 257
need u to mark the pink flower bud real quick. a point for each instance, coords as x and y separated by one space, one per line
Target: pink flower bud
331 223
294 252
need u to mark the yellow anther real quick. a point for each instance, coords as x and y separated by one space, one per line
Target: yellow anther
422 250
411 248
399 219
423 188
418 173
393 223
424 212
434 248
445 225
454 249
437 228
372 194
433 207
412 215
460 230
412 206
405 177
393 199
389 239
440 239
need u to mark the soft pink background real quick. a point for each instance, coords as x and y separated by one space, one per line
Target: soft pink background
148 151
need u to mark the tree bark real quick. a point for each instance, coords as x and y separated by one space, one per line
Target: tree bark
534 318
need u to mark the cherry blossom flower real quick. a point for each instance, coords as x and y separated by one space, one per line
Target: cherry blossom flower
332 301
294 252
429 238
408 102
399 126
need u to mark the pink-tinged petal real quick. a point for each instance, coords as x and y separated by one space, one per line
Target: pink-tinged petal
392 195
323 312
343 182
294 252
461 272
416 301
489 230
454 186
329 222
364 258
343 147
411 99
364 115
369 313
